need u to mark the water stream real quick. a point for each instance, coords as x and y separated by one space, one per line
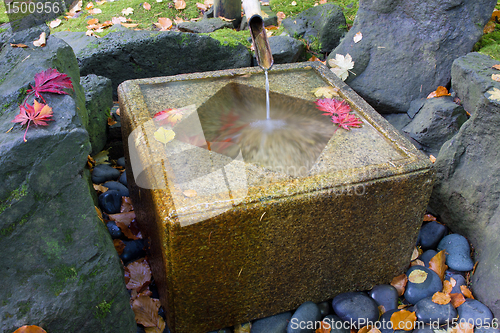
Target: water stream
268 112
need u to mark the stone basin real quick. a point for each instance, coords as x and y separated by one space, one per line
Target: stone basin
234 239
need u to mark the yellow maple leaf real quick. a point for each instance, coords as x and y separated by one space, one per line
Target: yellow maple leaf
494 94
164 135
326 92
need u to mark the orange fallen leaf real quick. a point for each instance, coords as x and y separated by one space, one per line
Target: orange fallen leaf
439 92
125 218
447 286
438 264
190 193
18 45
496 66
399 282
90 5
414 254
322 2
457 299
146 6
159 328
126 205
463 327
100 188
180 4
40 41
495 77
417 276
201 6
417 262
130 25
99 213
146 311
119 246
164 23
111 121
403 320
178 20
140 275
368 329
30 329
325 328
489 27
95 11
432 158
357 37
429 217
55 23
281 16
381 310
466 291
92 21
441 298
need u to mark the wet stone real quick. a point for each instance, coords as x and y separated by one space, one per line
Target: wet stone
486 329
133 250
121 161
425 329
304 319
429 312
113 230
110 201
416 291
458 257
325 308
336 324
427 256
355 307
123 178
103 172
273 324
117 186
385 295
474 312
460 281
430 235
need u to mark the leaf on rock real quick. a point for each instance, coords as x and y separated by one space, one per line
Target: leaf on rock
341 65
332 106
429 217
146 311
447 286
21 45
463 327
55 23
119 246
414 254
441 298
159 328
146 6
438 264
357 37
417 276
496 67
346 121
439 92
50 81
494 94
180 4
125 218
417 262
100 188
30 329
399 282
101 157
381 310
495 77
281 16
130 25
164 135
140 275
325 328
326 92
457 299
403 320
126 205
466 291
37 114
41 41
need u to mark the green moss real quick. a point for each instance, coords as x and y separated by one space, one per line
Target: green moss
102 310
490 43
60 277
23 308
231 37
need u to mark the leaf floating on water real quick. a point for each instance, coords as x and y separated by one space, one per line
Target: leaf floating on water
326 92
441 298
190 193
341 65
417 276
439 92
357 37
164 135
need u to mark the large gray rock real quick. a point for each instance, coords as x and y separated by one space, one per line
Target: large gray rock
286 49
59 267
466 195
98 102
322 26
204 26
435 122
126 55
408 47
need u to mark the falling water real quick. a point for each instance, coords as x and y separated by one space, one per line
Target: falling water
268 112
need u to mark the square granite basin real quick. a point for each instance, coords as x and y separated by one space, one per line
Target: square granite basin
238 235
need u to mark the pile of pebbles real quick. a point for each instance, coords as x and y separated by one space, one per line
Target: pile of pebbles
351 310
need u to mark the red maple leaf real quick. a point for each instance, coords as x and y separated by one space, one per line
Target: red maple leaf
37 113
332 105
50 81
346 120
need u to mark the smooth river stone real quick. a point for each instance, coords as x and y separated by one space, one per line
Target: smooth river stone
386 324
356 307
385 295
474 312
416 291
110 201
423 329
273 324
427 256
430 235
432 313
325 308
304 319
103 172
337 325
117 186
458 252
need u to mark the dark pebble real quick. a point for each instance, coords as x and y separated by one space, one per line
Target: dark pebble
385 295
110 201
336 324
304 319
486 329
114 231
416 291
133 250
460 281
273 324
325 308
423 329
427 256
430 235
103 172
123 178
432 313
113 185
474 312
355 307
121 161
386 324
458 252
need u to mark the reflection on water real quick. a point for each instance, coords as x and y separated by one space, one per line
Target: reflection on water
289 142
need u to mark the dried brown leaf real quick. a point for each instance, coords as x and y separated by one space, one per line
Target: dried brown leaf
457 299
495 77
180 4
432 158
466 291
399 282
30 329
126 230
438 264
146 311
489 27
447 287
40 41
159 328
140 275
403 320
325 328
439 92
417 262
125 218
146 6
126 205
414 254
19 45
100 188
496 66
441 298
429 217
417 276
119 246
